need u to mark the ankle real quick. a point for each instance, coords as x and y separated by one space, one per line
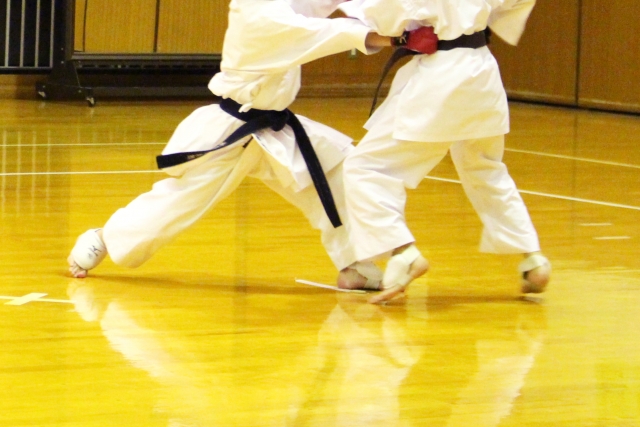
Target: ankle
402 248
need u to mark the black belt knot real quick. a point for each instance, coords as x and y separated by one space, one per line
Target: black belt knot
256 120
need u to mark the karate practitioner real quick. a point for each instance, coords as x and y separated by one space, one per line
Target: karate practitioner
451 100
264 46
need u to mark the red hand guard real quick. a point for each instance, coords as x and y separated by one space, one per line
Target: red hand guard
422 40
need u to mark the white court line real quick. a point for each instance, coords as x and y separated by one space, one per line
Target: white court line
612 238
514 150
31 298
579 159
455 181
98 144
333 288
80 173
553 196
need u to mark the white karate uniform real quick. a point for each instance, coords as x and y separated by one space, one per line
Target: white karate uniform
265 44
449 101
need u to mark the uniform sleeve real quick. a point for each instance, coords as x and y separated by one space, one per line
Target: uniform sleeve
315 8
387 17
270 37
508 21
450 19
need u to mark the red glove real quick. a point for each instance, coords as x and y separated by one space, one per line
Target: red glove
422 40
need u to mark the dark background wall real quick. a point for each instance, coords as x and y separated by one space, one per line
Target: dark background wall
574 52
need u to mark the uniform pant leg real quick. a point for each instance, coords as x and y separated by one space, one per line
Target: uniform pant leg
376 176
335 240
493 194
134 233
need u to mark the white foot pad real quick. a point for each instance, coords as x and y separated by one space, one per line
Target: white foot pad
371 272
538 283
398 267
89 250
531 262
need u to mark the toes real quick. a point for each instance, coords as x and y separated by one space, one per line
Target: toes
78 272
388 294
75 270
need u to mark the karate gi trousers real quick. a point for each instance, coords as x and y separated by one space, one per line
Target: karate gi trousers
381 168
137 231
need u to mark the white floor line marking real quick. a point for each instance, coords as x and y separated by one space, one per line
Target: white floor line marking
513 150
98 144
26 299
596 224
80 173
333 288
553 196
579 159
455 181
31 298
612 238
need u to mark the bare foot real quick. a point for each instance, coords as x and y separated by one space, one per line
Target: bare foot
360 275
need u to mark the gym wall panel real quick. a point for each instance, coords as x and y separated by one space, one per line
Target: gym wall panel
115 26
79 32
195 26
610 55
544 65
346 74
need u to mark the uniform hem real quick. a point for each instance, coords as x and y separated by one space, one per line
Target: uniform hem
444 138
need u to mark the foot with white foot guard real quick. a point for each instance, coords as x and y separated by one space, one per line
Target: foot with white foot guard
406 265
536 273
88 252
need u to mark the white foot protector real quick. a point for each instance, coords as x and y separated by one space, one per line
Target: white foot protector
399 268
537 283
88 252
360 275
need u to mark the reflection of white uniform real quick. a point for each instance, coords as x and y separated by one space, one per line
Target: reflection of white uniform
365 380
449 101
265 44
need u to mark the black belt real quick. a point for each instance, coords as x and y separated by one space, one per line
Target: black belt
473 41
256 120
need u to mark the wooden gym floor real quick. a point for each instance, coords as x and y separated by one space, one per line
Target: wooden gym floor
215 331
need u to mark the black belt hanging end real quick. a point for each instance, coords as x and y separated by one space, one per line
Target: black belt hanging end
473 41
397 55
256 120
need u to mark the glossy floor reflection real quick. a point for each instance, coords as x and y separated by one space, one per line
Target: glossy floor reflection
215 331
345 363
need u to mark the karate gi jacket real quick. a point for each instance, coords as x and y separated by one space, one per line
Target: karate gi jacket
265 44
449 95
